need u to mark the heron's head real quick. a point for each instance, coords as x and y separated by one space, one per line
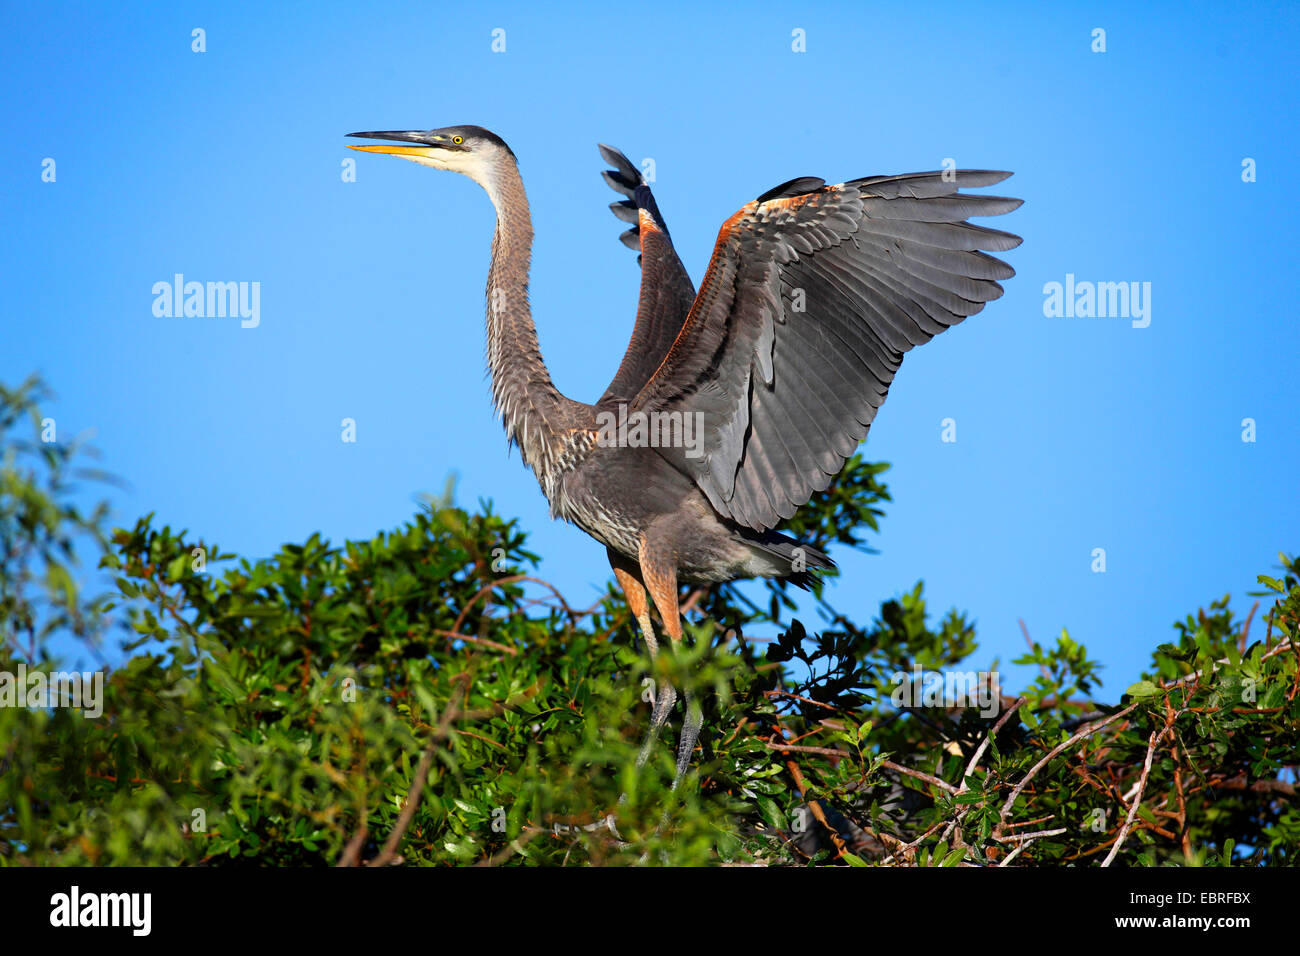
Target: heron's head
471 150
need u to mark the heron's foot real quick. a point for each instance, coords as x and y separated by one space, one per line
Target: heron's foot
604 823
690 735
665 698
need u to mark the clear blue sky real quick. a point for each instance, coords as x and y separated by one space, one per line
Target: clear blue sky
1072 433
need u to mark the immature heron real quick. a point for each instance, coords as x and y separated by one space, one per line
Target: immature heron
734 405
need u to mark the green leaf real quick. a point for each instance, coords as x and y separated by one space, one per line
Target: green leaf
771 813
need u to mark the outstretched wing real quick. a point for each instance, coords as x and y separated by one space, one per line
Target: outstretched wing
812 296
666 290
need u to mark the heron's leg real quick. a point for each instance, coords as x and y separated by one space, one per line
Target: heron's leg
665 696
660 576
690 734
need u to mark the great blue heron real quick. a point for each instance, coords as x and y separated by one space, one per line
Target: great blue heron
764 382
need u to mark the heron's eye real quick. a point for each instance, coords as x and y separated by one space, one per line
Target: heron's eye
458 140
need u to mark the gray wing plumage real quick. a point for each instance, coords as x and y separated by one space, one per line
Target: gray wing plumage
813 295
666 289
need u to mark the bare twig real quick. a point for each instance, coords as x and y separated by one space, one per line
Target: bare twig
928 778
352 852
906 848
389 851
457 636
574 616
815 808
806 700
1036 834
1156 737
515 846
955 823
1245 630
979 753
825 751
1087 730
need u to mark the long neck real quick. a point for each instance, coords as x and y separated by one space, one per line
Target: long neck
527 401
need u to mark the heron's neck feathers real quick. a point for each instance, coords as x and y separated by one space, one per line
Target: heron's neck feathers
529 404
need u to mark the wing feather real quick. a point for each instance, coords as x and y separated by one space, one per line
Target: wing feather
813 295
666 289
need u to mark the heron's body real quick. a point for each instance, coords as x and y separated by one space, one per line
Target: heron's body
667 509
733 405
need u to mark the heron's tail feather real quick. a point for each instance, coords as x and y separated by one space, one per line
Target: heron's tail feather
796 560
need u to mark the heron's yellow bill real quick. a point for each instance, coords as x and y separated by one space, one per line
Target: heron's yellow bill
395 150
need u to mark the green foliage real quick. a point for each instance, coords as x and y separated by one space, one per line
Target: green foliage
426 689
40 528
